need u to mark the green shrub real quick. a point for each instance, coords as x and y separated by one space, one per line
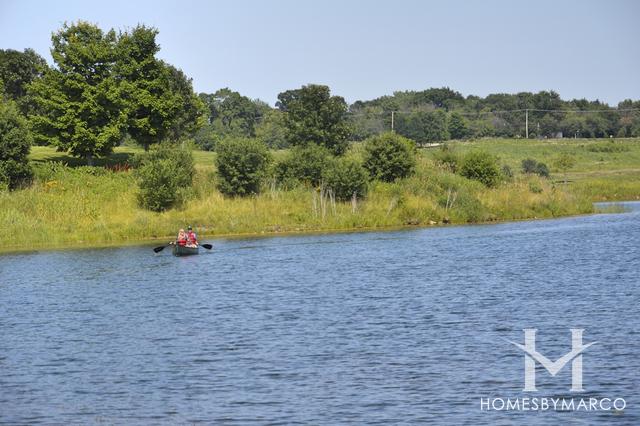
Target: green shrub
15 142
303 164
481 166
531 166
389 156
242 165
158 185
345 177
163 173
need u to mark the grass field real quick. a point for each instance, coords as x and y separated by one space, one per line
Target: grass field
70 205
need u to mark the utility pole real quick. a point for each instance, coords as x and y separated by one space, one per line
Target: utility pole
526 122
392 117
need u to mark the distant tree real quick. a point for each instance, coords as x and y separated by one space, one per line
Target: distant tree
242 165
191 114
271 130
17 71
312 115
389 156
79 107
14 146
233 114
424 126
458 126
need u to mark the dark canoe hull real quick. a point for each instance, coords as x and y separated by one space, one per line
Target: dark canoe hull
184 251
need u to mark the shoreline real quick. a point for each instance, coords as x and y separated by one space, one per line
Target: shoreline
290 233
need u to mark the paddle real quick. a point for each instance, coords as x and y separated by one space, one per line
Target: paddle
159 249
207 246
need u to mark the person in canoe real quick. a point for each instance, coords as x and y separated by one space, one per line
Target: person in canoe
192 239
181 240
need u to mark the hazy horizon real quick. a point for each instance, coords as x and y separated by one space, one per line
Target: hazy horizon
362 50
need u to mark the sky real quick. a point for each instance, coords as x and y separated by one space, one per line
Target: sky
366 49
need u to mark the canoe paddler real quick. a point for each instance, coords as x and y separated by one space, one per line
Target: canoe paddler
192 239
182 238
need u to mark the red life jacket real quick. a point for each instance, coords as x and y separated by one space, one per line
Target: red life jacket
191 237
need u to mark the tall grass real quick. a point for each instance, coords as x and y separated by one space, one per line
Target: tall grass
78 206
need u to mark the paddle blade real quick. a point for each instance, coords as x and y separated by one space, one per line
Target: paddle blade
158 249
207 246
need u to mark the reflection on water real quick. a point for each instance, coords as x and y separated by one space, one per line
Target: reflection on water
408 326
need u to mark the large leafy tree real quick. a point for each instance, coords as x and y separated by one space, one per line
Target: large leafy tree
17 70
312 115
79 106
146 80
14 146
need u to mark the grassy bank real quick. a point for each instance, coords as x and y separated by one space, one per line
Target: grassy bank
78 206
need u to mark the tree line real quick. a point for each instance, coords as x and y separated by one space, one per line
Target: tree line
106 88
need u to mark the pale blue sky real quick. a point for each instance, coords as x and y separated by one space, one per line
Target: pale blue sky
365 49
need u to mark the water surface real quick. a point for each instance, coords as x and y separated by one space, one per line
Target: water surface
390 327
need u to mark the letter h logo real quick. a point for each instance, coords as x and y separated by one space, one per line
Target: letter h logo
531 356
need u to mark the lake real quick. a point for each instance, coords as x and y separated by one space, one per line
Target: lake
393 327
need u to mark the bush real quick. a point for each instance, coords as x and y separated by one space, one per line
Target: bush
481 166
531 166
162 173
304 164
607 147
15 142
242 165
345 177
389 156
158 187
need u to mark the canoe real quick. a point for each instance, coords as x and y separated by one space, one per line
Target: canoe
184 251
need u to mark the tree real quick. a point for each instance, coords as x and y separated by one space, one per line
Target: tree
312 115
158 97
271 130
389 157
304 164
242 164
17 71
79 103
233 114
481 166
424 126
458 126
14 146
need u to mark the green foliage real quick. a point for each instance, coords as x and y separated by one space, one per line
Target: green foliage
313 115
271 130
303 164
162 173
424 126
206 138
79 107
446 157
458 126
389 157
481 166
531 166
565 162
242 165
15 142
346 177
158 97
232 114
17 71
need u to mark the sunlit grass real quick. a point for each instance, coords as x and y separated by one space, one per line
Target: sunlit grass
79 206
